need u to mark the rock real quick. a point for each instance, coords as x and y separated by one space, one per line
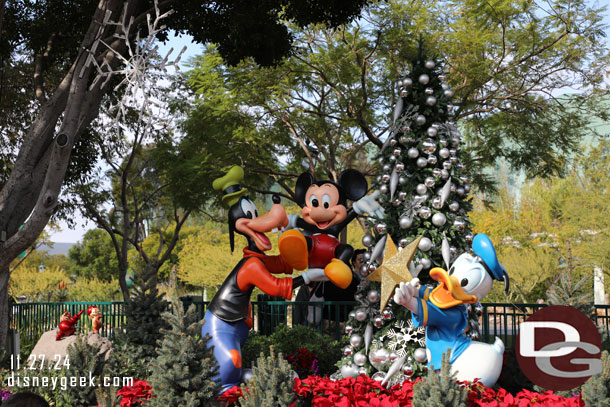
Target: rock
54 352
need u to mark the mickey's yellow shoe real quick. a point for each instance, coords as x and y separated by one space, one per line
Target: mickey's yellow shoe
293 249
338 273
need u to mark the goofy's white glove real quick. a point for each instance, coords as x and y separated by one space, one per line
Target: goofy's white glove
405 295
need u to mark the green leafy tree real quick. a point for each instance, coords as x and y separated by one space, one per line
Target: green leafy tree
94 256
326 104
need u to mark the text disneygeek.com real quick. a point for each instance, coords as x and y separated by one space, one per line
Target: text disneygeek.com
64 382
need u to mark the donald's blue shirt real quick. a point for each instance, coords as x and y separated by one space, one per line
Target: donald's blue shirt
444 328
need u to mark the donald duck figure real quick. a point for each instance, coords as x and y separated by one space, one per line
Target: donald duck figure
442 311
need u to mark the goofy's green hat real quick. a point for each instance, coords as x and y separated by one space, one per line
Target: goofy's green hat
230 185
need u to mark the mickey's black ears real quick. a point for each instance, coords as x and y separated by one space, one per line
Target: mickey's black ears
303 183
353 183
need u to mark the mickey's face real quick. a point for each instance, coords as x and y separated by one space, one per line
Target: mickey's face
322 208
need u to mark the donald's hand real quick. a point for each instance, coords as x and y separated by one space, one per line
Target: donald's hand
405 293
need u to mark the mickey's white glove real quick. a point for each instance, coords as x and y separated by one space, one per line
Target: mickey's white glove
314 275
369 205
405 295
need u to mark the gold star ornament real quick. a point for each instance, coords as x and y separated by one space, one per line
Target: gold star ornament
394 269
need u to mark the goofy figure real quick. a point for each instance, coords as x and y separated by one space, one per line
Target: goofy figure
227 319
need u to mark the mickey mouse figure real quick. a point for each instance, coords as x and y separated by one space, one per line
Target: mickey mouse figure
324 215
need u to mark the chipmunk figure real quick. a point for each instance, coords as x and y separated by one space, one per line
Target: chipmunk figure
66 326
96 318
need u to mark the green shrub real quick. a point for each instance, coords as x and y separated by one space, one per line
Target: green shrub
596 390
439 390
271 383
289 340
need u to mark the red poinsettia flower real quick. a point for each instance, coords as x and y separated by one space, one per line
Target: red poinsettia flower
135 395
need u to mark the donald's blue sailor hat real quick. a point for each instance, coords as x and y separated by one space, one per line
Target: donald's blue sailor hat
484 250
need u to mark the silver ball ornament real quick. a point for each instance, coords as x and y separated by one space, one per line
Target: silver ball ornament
423 79
407 82
429 64
352 314
449 93
446 165
443 153
405 222
425 263
459 224
469 236
386 168
432 159
402 195
379 358
393 142
429 182
387 314
424 212
454 206
421 189
396 152
362 370
378 321
359 359
412 152
355 340
428 91
444 174
364 271
436 172
403 92
428 146
467 188
372 266
367 240
360 315
430 100
372 296
420 119
432 131
420 355
425 244
422 162
393 356
399 167
381 228
436 203
384 189
439 219
402 180
349 329
407 369
453 251
403 243
385 178
348 351
460 191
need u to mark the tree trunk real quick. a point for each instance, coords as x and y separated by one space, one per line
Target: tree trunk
4 307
